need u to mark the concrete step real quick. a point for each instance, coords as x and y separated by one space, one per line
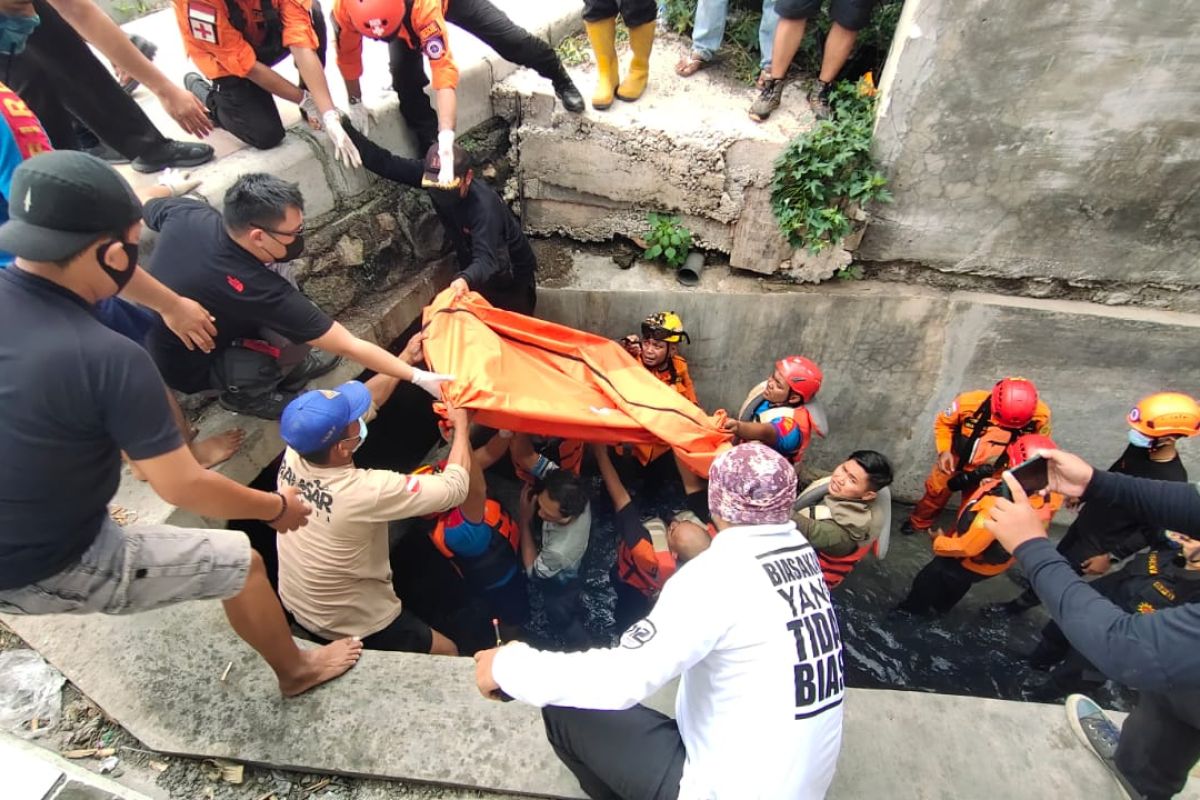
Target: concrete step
399 715
31 773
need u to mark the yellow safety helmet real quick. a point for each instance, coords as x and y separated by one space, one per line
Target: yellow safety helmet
1166 414
665 326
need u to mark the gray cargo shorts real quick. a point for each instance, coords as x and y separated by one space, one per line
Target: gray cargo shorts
140 568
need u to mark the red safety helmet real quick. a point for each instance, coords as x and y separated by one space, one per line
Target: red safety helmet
802 376
1014 401
378 19
1025 447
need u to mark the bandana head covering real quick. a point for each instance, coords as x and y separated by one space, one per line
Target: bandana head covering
751 484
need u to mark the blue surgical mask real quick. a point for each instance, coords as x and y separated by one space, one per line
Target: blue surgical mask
1138 439
362 433
15 31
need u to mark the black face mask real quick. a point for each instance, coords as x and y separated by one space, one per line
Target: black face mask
291 250
119 276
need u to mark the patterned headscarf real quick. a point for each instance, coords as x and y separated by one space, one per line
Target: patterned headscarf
751 484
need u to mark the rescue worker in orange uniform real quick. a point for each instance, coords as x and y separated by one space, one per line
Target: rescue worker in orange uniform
416 28
971 435
780 412
235 43
658 351
648 552
482 541
970 553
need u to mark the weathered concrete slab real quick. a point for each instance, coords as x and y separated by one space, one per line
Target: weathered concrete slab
686 146
399 715
1033 141
31 773
894 355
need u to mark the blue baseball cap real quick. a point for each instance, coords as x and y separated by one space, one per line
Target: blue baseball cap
315 419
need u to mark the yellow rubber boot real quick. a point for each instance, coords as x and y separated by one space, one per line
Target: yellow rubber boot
641 39
603 36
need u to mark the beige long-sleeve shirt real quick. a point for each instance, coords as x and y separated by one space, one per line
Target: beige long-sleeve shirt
334 573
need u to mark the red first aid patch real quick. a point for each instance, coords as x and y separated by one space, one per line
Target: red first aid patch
202 21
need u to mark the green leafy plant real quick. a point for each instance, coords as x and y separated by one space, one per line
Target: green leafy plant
824 171
854 272
667 239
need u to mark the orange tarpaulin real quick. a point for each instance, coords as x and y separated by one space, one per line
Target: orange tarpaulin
533 376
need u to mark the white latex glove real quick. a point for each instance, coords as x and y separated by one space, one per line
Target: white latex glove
343 148
308 107
430 381
360 116
446 155
179 182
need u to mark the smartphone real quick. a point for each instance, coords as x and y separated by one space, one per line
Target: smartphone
1033 476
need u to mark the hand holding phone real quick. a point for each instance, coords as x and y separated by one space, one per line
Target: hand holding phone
1033 476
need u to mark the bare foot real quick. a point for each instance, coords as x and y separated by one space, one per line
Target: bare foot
320 665
215 449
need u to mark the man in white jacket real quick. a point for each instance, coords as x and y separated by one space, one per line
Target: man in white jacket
749 626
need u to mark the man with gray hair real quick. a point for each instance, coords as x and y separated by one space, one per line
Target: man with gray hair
747 625
265 325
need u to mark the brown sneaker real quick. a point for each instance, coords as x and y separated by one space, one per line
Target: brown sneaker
818 99
768 99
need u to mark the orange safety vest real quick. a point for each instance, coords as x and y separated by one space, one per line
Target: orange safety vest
973 544
643 567
490 567
674 373
800 415
836 568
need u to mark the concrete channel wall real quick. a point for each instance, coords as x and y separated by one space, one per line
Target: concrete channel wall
1026 139
894 356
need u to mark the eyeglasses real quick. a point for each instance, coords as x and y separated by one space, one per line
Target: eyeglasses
272 233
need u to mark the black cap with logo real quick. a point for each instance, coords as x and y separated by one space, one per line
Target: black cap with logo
61 201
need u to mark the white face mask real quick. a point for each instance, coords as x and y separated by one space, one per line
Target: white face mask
362 434
1139 439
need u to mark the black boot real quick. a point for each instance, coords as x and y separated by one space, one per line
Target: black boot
567 92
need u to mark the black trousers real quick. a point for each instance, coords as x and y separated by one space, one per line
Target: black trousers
248 111
939 586
493 27
60 79
635 754
633 12
1160 743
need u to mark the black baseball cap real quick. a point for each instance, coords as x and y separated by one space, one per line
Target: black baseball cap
61 201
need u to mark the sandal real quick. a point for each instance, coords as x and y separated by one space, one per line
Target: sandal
690 64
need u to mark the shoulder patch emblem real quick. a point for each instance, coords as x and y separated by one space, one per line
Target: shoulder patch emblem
202 21
434 48
638 634
951 409
412 485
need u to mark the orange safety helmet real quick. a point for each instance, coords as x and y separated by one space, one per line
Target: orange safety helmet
1166 414
1025 447
1014 401
802 375
378 19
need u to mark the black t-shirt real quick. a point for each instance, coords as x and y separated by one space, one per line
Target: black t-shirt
1111 529
196 257
73 394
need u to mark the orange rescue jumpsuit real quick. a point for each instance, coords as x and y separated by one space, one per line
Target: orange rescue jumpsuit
953 429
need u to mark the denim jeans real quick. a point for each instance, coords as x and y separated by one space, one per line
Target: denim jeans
710 28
